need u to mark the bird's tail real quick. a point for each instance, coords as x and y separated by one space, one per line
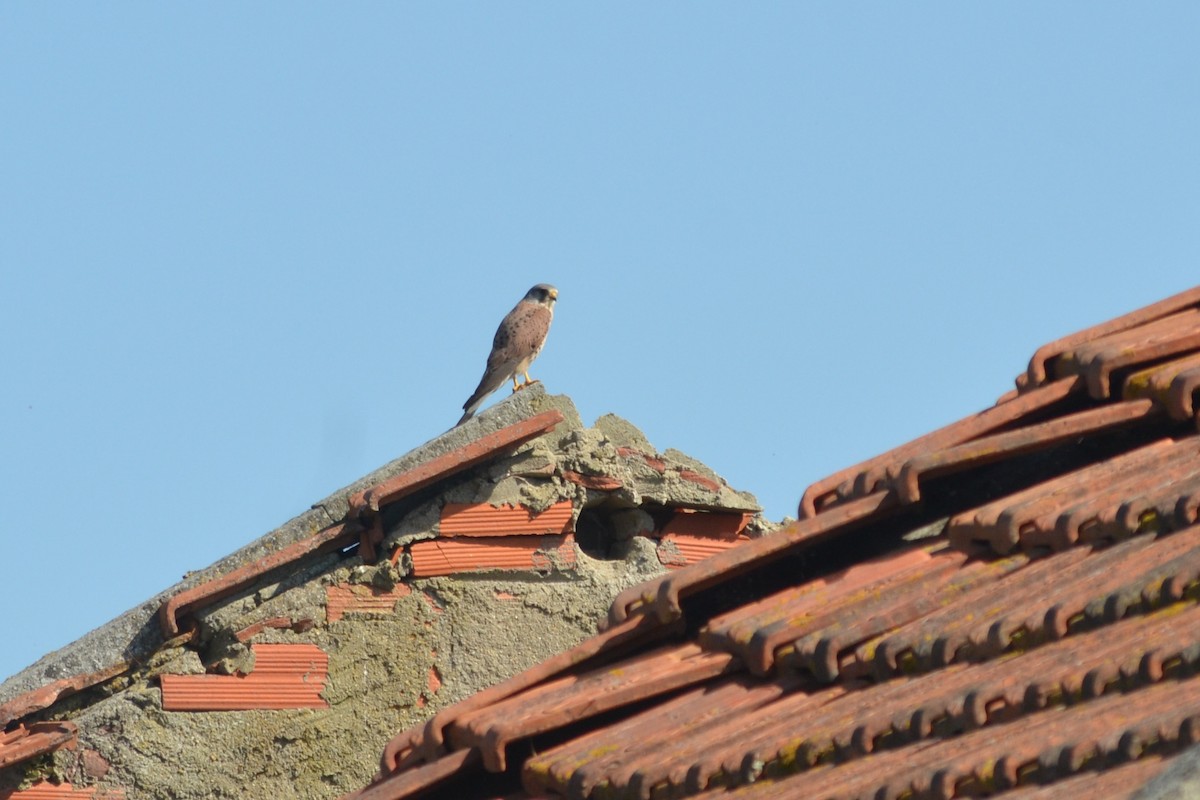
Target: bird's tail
467 414
473 403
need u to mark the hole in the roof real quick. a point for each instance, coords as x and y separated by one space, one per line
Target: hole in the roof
602 532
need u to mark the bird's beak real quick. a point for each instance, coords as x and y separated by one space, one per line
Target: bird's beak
554 294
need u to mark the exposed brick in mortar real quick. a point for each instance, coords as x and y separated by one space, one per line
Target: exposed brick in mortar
284 676
350 598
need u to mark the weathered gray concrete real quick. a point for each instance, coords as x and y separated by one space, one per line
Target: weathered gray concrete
443 640
1179 781
134 635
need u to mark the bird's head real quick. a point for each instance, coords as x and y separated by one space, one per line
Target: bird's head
543 293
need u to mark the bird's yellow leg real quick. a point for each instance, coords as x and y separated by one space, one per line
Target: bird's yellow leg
528 381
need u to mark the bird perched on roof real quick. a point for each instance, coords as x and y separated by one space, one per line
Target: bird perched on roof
519 339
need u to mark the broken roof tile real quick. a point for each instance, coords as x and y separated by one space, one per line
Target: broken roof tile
484 519
38 699
359 522
38 738
45 790
712 524
284 676
678 550
355 598
435 557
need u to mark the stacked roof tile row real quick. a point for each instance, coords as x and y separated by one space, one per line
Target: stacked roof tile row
1006 606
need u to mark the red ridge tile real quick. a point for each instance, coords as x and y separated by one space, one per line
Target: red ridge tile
485 447
362 506
1037 371
1098 359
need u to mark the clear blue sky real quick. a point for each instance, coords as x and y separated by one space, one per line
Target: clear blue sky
250 252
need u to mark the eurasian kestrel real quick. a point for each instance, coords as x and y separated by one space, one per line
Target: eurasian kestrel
518 341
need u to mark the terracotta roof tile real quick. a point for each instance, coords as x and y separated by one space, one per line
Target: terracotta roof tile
710 524
1060 589
44 790
1054 514
573 698
1171 383
38 699
996 447
471 554
29 741
1038 746
679 549
1121 781
661 596
350 598
483 519
871 476
1037 372
284 676
1098 359
635 752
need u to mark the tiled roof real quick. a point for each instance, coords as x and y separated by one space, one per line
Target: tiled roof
1005 606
